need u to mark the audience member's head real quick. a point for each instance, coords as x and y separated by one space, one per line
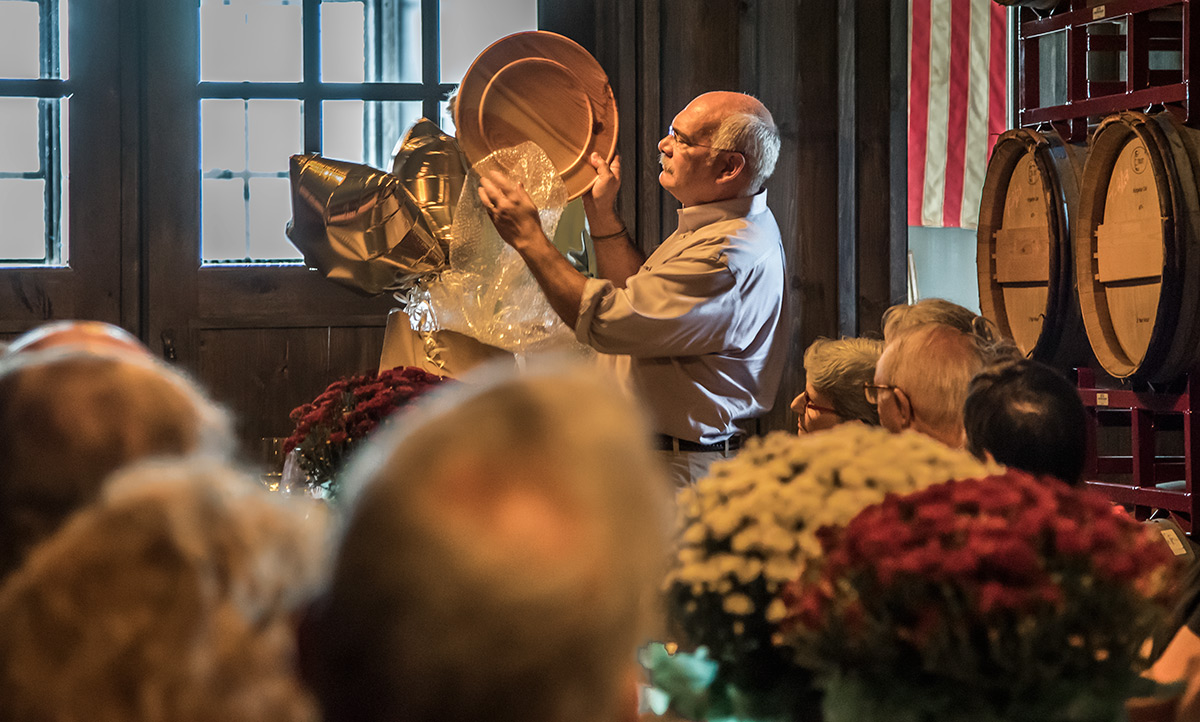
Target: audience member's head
1027 416
921 381
835 372
70 418
939 310
927 310
172 597
498 560
78 335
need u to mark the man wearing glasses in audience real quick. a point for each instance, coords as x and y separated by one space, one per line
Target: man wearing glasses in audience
921 381
698 330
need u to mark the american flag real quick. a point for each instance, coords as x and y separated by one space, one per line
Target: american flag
957 88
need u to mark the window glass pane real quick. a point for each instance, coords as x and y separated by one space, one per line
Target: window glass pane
366 132
270 210
275 134
392 40
64 56
343 42
469 26
64 204
223 130
23 208
446 118
247 143
223 221
33 156
254 40
19 51
19 151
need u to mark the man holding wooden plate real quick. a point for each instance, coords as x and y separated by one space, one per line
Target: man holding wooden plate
696 331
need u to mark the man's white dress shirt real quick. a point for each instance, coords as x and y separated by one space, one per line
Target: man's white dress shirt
699 333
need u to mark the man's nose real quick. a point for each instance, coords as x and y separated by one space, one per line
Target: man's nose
664 144
798 404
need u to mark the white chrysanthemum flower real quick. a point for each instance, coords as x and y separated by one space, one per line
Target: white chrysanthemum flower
757 514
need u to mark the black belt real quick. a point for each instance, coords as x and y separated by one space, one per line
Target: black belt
670 443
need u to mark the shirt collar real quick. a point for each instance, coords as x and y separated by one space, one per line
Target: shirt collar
698 216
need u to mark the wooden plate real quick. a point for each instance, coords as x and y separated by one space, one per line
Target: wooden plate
541 87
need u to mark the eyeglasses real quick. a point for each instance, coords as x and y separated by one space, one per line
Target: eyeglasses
808 404
871 391
683 140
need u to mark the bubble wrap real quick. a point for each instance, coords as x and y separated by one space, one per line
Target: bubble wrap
487 292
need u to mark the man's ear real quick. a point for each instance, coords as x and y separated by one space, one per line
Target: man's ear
731 167
904 406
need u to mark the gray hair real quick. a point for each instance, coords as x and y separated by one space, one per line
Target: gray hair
170 598
498 560
70 418
838 369
986 333
933 364
756 138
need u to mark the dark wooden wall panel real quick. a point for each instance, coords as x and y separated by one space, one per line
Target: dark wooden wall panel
881 266
262 373
798 81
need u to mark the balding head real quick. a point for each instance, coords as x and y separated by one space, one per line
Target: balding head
78 335
735 144
70 418
929 368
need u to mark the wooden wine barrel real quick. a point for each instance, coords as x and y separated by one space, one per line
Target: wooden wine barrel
1137 246
1024 259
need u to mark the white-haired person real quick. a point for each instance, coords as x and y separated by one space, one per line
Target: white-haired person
834 374
172 598
698 330
499 560
922 378
70 417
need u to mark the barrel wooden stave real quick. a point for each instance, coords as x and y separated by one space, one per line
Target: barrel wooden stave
1137 247
1024 260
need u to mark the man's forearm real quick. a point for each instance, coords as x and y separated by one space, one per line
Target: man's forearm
617 258
562 284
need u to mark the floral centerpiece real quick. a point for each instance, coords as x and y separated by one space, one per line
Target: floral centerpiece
1001 598
346 412
744 532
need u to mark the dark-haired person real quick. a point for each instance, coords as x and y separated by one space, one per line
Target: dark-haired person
1027 416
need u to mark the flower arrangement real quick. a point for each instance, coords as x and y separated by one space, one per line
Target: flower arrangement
1000 598
745 531
347 411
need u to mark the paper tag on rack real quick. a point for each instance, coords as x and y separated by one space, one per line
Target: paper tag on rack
1098 12
1174 542
1101 399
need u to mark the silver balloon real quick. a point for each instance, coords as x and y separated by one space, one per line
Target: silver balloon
359 226
433 170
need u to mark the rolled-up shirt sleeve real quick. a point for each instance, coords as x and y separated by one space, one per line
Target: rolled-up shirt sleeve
684 307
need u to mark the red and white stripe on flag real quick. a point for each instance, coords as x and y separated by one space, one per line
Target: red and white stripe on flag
957 85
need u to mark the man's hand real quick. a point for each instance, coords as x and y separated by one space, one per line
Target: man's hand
511 210
517 220
600 203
